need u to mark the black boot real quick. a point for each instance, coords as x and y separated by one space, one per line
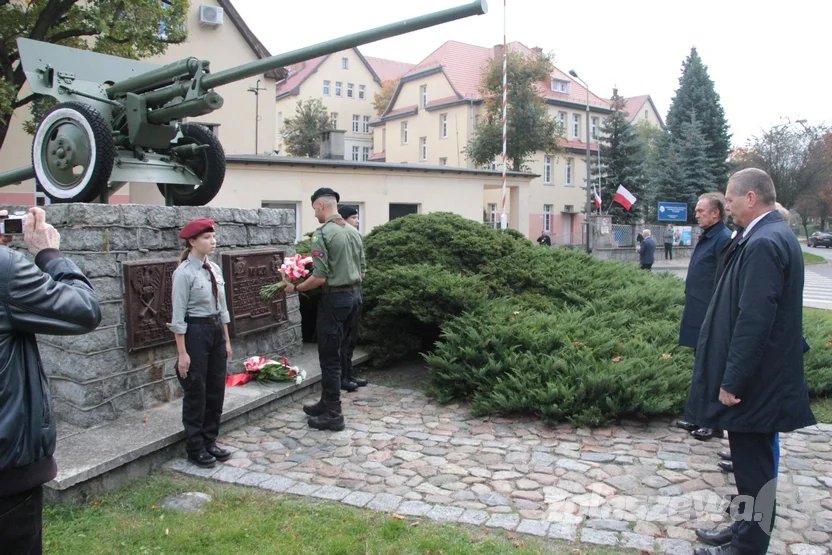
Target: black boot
203 459
315 409
348 385
715 537
360 382
332 419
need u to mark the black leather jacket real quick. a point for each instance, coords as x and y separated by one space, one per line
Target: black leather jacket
50 297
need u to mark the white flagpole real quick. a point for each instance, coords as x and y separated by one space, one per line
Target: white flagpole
503 218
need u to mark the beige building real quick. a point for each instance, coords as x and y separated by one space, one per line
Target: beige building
641 109
346 82
433 114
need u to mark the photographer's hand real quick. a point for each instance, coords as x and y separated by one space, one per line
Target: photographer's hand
5 239
37 234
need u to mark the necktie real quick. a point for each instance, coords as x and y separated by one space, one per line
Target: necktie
214 288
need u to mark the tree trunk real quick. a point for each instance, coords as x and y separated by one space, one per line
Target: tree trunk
4 128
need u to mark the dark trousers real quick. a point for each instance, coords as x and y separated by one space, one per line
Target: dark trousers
668 251
338 314
646 266
204 385
352 341
753 458
21 522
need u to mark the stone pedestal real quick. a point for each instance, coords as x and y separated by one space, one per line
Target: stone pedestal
95 377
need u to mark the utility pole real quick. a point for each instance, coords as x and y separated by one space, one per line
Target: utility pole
256 90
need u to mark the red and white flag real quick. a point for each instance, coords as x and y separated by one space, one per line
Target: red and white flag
597 198
624 197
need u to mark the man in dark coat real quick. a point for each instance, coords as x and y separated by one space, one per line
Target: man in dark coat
647 251
748 376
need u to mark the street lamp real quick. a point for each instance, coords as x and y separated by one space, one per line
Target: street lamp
256 90
574 74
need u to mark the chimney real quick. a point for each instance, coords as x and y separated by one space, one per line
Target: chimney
537 50
498 51
332 144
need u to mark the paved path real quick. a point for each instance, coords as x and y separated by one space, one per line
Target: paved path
817 290
642 486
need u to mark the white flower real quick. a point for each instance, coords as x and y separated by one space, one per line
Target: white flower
299 379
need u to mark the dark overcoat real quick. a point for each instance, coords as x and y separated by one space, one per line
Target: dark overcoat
750 342
699 283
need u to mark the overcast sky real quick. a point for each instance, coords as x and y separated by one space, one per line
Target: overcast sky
767 63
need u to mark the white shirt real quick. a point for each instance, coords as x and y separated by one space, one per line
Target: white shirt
754 222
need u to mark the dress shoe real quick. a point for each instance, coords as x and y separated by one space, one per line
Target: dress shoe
348 385
687 426
727 466
704 434
360 382
332 419
715 537
203 459
218 452
721 550
315 409
725 455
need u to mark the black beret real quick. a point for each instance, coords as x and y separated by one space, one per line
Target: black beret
348 210
325 192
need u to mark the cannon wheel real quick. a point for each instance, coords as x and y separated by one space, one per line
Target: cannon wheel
209 165
73 153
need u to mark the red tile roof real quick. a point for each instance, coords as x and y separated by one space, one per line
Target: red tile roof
388 69
298 73
378 156
396 112
633 105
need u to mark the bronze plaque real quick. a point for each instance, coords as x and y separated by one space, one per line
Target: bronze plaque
245 273
148 308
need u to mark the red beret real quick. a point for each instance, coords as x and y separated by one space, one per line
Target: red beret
195 227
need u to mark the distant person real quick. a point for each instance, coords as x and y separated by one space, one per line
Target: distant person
668 242
544 240
350 214
647 250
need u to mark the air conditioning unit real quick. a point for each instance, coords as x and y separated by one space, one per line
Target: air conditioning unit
210 15
569 208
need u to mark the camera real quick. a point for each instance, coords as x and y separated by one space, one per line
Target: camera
13 224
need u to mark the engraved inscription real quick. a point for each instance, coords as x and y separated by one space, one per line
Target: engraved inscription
148 306
246 273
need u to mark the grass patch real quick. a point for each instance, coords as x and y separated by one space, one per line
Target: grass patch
809 258
253 522
822 408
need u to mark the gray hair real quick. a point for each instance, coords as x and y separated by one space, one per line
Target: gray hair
715 200
646 233
783 211
756 180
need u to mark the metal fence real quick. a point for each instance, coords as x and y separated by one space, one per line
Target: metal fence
617 236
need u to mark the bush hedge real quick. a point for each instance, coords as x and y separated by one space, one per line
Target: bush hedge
513 327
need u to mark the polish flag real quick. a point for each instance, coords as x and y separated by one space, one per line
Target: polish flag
597 199
624 197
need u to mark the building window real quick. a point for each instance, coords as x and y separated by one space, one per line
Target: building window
404 132
547 218
345 63
443 161
41 199
279 121
294 207
645 114
492 216
361 92
349 90
326 88
547 169
333 119
576 126
401 210
569 164
367 125
594 128
443 126
560 86
365 153
423 148
423 96
355 154
337 88
355 123
562 120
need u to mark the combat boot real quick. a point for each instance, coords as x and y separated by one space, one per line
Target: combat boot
316 409
359 382
332 419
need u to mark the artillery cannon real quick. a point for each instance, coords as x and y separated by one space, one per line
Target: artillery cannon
119 120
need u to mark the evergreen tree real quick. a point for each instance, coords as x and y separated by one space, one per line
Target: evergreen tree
621 163
302 133
696 95
692 161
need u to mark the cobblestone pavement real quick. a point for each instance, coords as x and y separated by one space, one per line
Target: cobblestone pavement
645 486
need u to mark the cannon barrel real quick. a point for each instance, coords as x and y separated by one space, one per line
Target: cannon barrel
16 176
224 77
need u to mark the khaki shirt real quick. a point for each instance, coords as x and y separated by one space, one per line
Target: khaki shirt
191 294
338 252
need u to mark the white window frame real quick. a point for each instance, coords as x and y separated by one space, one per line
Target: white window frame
576 126
349 90
356 154
547 218
443 126
423 95
40 195
404 133
547 169
492 215
570 164
333 119
361 92
423 148
345 63
443 161
338 88
326 87
356 123
594 127
366 125
365 154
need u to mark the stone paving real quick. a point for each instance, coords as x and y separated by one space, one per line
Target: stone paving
645 486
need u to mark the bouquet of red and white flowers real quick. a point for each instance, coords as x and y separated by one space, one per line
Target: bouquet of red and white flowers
266 370
294 268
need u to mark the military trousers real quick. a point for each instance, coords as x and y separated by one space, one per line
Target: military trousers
338 314
204 386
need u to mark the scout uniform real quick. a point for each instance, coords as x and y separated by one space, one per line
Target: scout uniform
349 382
199 313
338 254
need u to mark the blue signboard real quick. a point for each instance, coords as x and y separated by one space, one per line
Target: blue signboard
673 212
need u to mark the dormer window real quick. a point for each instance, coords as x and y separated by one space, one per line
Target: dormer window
559 85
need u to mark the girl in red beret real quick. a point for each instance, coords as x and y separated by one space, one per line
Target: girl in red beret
200 326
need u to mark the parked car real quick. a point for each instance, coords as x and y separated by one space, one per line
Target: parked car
820 239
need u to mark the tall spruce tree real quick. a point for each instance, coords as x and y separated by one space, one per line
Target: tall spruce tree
692 160
621 163
665 177
697 95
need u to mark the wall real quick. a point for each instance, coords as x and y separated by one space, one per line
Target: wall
93 377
